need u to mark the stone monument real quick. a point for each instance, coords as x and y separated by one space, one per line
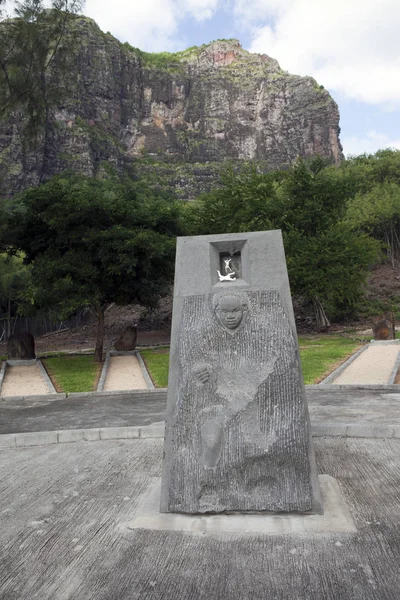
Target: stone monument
127 341
383 328
21 346
237 427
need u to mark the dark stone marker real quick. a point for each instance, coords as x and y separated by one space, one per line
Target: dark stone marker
237 428
21 346
383 328
127 341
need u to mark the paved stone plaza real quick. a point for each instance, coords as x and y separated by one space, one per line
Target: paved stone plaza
65 507
364 407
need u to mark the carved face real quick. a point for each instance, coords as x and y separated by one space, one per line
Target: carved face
230 311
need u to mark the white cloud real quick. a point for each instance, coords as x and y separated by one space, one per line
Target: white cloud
151 25
372 142
148 24
351 46
201 10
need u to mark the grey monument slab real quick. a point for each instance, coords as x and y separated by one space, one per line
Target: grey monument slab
238 435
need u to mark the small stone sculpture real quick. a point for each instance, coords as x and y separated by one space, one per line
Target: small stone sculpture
383 328
21 346
128 339
230 274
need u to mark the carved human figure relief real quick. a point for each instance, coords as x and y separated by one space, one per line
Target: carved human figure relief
230 310
230 274
238 434
211 442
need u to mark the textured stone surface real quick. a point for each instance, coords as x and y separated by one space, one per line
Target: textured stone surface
335 517
383 328
198 108
63 532
127 341
238 434
332 409
21 346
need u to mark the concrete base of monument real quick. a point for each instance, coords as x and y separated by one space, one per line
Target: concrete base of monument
335 519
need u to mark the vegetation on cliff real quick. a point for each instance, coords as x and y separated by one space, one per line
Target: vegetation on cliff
202 105
31 44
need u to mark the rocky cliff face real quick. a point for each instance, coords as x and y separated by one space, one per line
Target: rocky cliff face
179 113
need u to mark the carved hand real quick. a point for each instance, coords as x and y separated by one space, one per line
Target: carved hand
203 375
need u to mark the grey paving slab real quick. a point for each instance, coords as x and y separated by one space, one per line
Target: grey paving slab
64 512
82 411
354 405
328 405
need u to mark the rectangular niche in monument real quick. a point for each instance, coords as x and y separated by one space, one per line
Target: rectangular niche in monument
237 433
229 263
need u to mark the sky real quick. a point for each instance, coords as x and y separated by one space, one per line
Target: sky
351 47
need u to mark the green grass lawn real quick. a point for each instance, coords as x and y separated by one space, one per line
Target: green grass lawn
157 361
72 373
320 355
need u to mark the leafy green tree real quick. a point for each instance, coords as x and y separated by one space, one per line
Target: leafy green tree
14 279
377 212
329 269
246 200
375 203
30 44
327 262
94 242
366 171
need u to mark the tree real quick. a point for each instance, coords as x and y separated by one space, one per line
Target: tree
94 242
366 171
329 269
30 43
327 262
377 212
14 279
375 203
245 200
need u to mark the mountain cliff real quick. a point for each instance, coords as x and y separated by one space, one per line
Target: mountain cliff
179 115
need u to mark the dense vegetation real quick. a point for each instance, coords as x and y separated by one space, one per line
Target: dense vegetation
31 43
327 256
93 242
76 241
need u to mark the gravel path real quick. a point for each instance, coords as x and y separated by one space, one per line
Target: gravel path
374 366
124 373
23 381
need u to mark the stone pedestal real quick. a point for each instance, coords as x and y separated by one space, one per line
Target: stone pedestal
237 428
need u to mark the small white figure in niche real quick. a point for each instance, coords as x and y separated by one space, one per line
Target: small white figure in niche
229 272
